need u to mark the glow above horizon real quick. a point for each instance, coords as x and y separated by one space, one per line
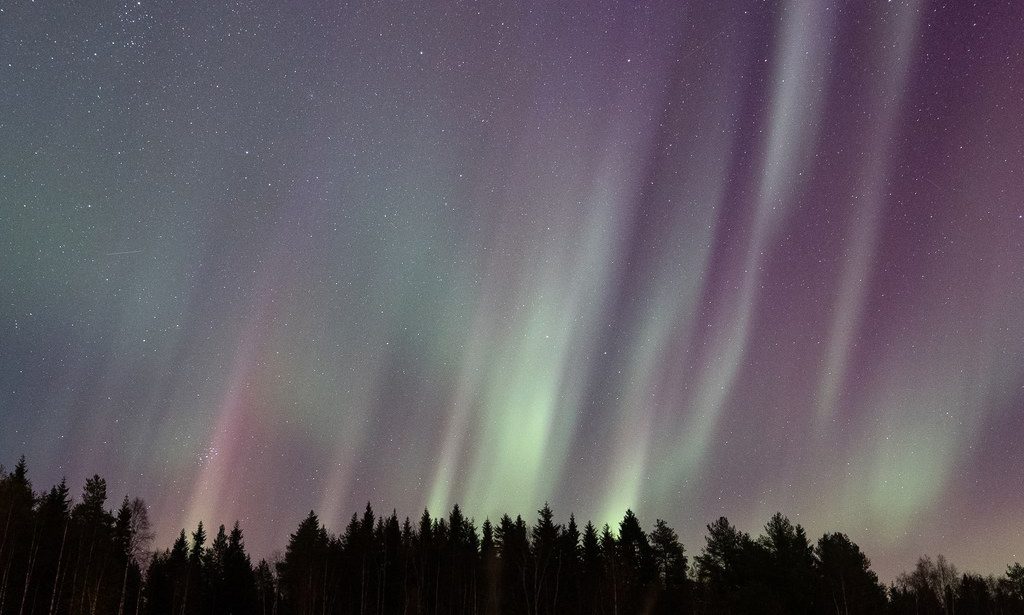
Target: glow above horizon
689 260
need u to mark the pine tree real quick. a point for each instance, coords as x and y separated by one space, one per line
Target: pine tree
790 572
213 569
301 571
635 569
238 589
671 565
1015 576
545 560
55 517
178 567
95 529
847 582
266 588
592 573
132 534
567 590
720 566
489 568
514 550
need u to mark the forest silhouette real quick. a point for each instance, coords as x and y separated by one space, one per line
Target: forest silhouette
65 556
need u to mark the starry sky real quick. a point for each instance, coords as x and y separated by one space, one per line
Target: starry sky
690 258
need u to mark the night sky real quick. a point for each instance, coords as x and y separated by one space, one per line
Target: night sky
258 258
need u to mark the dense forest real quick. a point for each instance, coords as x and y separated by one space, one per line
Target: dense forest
78 557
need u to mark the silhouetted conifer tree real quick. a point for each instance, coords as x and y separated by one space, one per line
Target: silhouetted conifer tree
635 568
266 589
490 569
722 567
514 550
567 591
592 569
671 567
19 541
301 573
55 518
132 536
789 573
848 584
238 593
612 575
92 567
545 569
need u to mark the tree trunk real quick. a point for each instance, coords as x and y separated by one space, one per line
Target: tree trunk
453 591
3 585
323 609
437 587
846 607
99 585
526 594
3 543
88 567
362 586
311 596
124 587
74 575
184 598
33 550
558 581
405 587
615 592
382 583
60 560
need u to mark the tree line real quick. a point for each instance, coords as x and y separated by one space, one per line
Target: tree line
60 556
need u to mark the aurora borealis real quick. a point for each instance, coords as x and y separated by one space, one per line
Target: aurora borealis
696 259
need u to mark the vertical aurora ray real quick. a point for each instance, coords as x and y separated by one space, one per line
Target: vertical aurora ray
650 392
221 456
527 399
528 395
801 63
868 199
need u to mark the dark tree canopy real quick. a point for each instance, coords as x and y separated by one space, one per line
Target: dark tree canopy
58 556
